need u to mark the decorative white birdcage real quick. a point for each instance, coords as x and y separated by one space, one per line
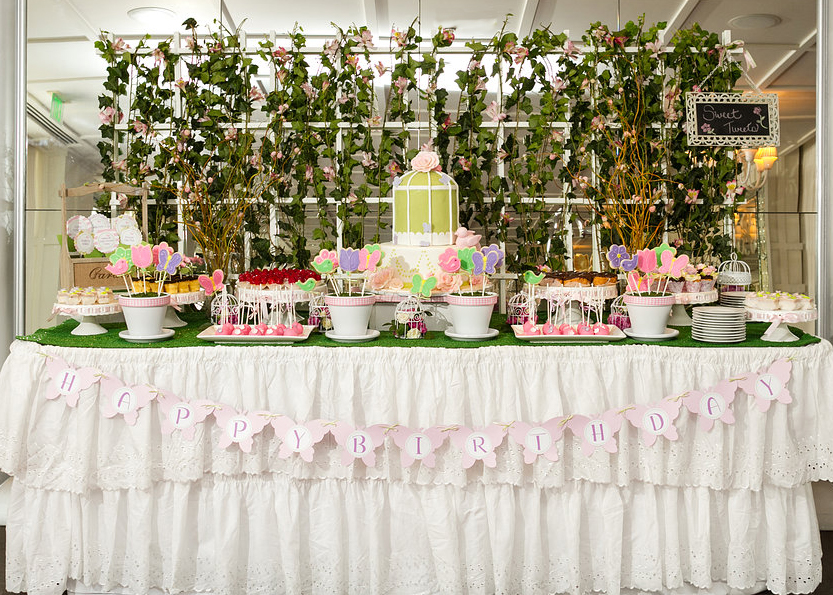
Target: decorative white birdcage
734 274
224 308
619 313
319 314
409 319
521 307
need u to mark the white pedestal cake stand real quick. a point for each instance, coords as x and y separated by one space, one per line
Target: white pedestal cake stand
778 333
180 299
86 315
679 317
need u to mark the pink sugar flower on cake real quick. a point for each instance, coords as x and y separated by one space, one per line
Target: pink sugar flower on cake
448 282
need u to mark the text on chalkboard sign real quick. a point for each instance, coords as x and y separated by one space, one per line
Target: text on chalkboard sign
732 119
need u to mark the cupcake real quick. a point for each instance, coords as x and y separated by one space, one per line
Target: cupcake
63 296
89 297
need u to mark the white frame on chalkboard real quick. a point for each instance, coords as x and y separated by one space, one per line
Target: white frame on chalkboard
694 138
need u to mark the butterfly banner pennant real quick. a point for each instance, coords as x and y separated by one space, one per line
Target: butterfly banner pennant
769 385
67 381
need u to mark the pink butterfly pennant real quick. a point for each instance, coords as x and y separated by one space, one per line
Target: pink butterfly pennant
770 385
117 398
713 404
238 428
183 415
596 432
655 419
538 439
358 443
67 381
478 444
299 438
417 445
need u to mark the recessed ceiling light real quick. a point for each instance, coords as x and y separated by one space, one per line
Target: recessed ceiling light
755 21
153 15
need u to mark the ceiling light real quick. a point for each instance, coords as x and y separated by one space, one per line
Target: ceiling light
754 21
153 15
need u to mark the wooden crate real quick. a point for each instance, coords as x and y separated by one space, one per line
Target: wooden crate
89 272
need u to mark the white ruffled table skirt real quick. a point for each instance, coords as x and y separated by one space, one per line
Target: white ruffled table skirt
124 507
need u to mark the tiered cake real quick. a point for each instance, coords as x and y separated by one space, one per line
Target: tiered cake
425 218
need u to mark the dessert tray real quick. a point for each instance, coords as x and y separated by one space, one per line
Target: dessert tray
192 297
777 333
616 334
582 293
180 299
85 314
210 334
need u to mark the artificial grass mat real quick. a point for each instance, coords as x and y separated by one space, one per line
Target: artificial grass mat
187 337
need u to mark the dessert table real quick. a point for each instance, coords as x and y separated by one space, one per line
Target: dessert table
110 502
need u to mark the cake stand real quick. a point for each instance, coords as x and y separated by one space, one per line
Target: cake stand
180 299
578 294
86 315
679 317
776 332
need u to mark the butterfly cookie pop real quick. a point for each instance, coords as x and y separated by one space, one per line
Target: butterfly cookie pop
355 265
469 268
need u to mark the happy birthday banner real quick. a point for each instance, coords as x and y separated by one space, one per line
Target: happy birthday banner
239 428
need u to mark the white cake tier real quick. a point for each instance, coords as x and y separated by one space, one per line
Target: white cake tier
407 261
418 239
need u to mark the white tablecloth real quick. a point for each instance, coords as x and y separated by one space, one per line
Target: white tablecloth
110 504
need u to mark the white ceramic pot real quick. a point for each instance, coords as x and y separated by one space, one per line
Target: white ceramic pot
470 314
350 314
144 315
649 314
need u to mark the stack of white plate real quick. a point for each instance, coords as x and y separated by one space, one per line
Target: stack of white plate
733 299
718 324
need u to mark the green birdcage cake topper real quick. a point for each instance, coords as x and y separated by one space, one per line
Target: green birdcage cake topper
426 204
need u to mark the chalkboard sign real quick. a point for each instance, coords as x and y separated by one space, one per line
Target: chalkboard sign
732 119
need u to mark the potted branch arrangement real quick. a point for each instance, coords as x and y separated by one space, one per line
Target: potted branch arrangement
349 305
471 310
648 273
145 304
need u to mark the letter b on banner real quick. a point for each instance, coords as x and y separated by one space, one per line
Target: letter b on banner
359 444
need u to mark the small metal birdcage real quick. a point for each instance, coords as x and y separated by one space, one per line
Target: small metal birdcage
733 275
319 314
521 308
409 319
619 313
224 309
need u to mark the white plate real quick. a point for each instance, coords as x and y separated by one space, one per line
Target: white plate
616 334
709 334
210 334
713 340
491 334
669 333
714 310
717 337
371 334
167 333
